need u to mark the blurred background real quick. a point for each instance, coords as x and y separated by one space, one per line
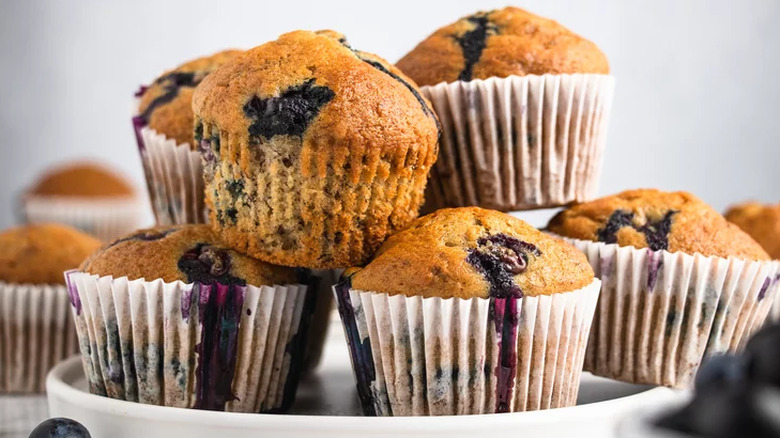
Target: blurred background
695 107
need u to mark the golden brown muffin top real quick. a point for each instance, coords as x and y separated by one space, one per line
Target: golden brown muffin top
166 105
41 253
188 253
82 179
472 252
649 218
314 88
501 43
762 222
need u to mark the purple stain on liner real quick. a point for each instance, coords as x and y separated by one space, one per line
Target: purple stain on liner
655 261
764 288
73 291
360 351
506 319
219 307
186 302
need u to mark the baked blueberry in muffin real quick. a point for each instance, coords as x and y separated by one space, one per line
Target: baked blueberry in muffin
188 253
314 152
166 104
501 43
762 222
672 221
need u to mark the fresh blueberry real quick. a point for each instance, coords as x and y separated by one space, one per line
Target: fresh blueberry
728 411
499 258
60 428
208 264
473 42
762 356
720 370
656 232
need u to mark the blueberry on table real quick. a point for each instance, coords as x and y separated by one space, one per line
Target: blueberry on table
719 370
60 428
762 356
728 411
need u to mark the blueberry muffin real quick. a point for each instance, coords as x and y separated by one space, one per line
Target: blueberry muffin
82 179
679 283
85 195
171 316
188 253
465 298
36 327
501 43
523 103
473 253
671 221
314 153
40 254
762 222
166 104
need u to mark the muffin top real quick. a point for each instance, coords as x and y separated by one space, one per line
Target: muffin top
501 43
41 253
648 218
82 179
472 252
166 105
188 253
313 89
762 222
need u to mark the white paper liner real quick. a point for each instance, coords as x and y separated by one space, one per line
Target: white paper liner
661 313
106 219
434 356
140 341
518 143
36 332
175 183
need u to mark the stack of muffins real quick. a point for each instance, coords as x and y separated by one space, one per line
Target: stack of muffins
271 169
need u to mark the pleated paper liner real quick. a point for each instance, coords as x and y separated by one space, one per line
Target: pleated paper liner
661 313
36 332
174 176
519 143
217 347
106 219
430 356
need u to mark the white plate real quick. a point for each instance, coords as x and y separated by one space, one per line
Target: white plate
327 406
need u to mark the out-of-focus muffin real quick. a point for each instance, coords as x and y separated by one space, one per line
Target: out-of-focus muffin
762 222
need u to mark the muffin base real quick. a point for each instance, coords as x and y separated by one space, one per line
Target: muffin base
36 333
217 347
430 356
661 313
519 143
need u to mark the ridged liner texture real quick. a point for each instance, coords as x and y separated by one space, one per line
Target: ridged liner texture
106 219
321 207
217 347
415 356
519 143
661 313
36 333
174 176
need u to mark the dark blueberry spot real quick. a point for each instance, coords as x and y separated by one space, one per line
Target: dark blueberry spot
499 258
473 42
146 236
338 237
60 428
671 319
235 187
232 214
141 90
207 152
215 143
198 134
764 288
656 232
288 114
208 264
248 312
171 84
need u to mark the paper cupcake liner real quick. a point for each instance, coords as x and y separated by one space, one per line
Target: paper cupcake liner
519 143
174 176
320 320
431 356
661 313
106 219
217 347
36 332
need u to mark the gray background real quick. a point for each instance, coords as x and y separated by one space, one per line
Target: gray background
695 108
